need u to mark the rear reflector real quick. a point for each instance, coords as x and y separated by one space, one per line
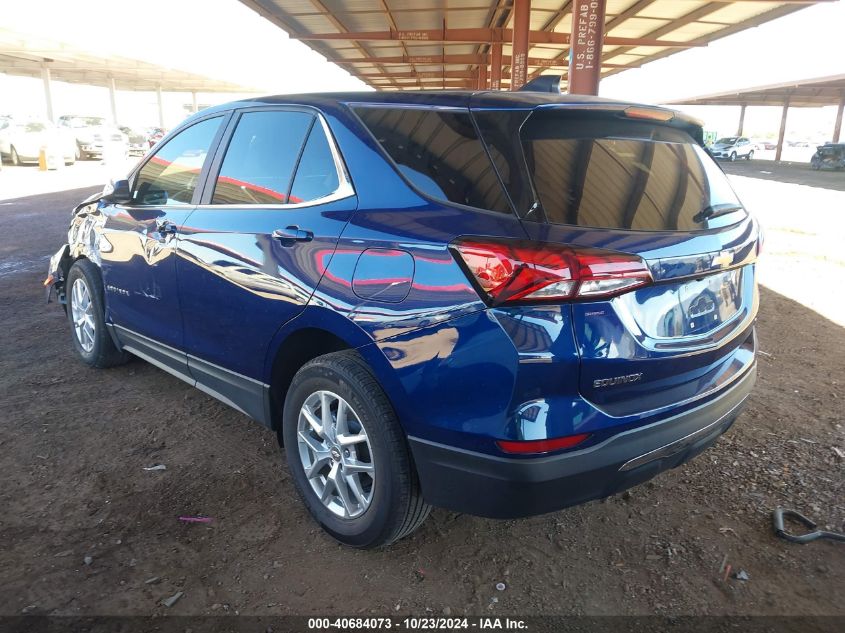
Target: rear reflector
507 271
541 446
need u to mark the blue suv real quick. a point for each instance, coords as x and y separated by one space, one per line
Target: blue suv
497 303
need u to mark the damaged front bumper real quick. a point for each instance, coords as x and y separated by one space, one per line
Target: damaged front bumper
56 274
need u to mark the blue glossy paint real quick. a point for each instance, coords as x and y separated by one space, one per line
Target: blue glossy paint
378 275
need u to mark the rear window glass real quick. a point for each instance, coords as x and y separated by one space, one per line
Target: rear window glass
623 175
439 153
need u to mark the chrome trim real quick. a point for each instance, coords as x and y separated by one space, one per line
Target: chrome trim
344 189
673 448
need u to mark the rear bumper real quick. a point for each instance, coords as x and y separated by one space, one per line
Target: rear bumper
499 487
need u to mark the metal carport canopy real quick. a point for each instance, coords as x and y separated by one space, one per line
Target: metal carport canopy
815 92
26 55
417 44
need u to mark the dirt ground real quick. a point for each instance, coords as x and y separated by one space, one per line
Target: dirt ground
796 173
85 530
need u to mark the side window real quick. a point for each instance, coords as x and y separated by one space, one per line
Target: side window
439 152
316 175
261 157
170 177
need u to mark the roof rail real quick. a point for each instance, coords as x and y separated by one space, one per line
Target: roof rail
543 83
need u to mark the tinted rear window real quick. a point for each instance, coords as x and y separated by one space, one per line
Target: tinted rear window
608 173
439 153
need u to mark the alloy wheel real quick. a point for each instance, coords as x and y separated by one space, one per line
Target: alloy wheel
336 454
82 311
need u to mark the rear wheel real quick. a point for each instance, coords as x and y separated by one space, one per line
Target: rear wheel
348 455
750 155
84 291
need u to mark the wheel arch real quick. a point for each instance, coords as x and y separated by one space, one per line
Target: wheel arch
315 332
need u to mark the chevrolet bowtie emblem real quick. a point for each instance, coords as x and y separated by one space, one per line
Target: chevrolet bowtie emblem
724 258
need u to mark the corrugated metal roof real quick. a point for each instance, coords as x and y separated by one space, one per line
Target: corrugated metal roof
819 91
25 56
414 44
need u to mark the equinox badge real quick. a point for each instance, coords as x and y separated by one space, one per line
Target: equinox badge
617 380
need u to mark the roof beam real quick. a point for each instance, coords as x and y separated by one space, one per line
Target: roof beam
449 74
462 60
481 36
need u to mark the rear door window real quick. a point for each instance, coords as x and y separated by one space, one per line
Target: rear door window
316 175
261 157
439 153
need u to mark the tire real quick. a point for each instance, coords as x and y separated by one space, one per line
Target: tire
77 154
732 157
750 155
395 507
13 156
94 346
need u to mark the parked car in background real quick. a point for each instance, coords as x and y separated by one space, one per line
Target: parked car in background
488 302
92 134
22 141
155 134
829 156
770 145
733 147
137 139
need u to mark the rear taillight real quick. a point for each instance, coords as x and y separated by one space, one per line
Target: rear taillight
510 271
526 447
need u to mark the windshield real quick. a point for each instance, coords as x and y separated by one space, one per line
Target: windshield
612 173
728 140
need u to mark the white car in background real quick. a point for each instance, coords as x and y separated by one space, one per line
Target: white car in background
733 147
22 141
94 136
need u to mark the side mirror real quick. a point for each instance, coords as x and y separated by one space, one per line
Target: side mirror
117 192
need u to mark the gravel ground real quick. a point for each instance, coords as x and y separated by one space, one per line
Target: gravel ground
86 530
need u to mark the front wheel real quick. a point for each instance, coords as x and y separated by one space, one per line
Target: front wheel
348 455
14 157
84 291
732 157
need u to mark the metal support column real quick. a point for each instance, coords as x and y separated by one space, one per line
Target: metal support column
586 46
521 29
48 93
482 76
782 132
837 127
113 99
741 125
496 66
160 107
194 101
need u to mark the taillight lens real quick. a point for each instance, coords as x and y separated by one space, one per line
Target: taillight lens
510 271
526 447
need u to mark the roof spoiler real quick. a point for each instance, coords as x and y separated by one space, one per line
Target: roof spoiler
543 83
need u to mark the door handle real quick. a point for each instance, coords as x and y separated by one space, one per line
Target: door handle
291 234
165 227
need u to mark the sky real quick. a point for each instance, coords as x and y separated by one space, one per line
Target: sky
226 40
